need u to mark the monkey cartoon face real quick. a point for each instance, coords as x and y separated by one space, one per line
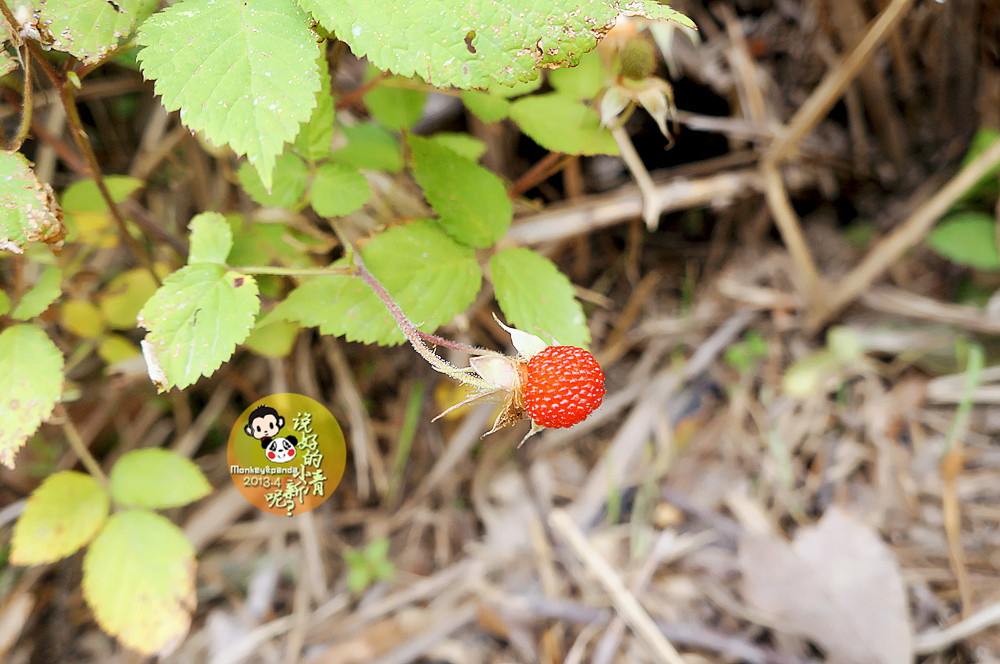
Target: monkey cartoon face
264 423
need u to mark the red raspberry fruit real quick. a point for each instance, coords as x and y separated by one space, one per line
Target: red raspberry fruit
561 386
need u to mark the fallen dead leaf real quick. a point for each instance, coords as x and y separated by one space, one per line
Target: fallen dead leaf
837 585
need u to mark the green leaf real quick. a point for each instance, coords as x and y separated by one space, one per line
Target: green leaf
315 137
31 378
86 213
90 28
115 348
430 276
41 296
157 479
983 139
138 579
487 107
461 144
61 515
290 178
245 75
211 239
369 146
195 319
536 297
338 189
478 43
471 202
28 209
583 81
562 124
395 107
967 238
273 339
4 303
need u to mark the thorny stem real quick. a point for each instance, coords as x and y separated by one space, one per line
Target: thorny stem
408 329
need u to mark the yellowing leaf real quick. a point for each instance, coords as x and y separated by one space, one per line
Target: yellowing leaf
31 378
82 318
156 478
123 297
138 579
116 348
61 515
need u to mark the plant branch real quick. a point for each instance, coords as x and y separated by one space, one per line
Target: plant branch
26 103
76 442
455 345
66 96
293 271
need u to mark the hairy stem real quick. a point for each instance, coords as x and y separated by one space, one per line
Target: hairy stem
292 271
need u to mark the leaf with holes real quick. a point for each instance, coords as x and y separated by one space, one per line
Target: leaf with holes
61 516
31 378
28 209
471 201
89 29
138 579
478 43
244 74
537 298
195 319
430 276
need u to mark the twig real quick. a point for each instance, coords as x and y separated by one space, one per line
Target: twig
828 92
929 642
892 247
293 271
650 196
545 168
26 102
76 442
626 603
791 232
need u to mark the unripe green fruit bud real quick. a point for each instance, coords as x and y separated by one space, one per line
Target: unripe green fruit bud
638 59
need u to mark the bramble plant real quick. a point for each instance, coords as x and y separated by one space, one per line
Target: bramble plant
252 76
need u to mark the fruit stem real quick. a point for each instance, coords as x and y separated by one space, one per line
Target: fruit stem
409 330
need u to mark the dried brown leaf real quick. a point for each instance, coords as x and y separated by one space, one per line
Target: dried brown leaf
836 584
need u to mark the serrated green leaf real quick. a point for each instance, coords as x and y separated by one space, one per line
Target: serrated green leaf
89 28
581 82
430 276
536 297
562 124
395 107
369 146
195 319
245 75
487 107
471 202
31 378
40 296
967 238
338 189
316 136
291 175
478 43
138 579
61 516
28 209
156 478
461 144
211 239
